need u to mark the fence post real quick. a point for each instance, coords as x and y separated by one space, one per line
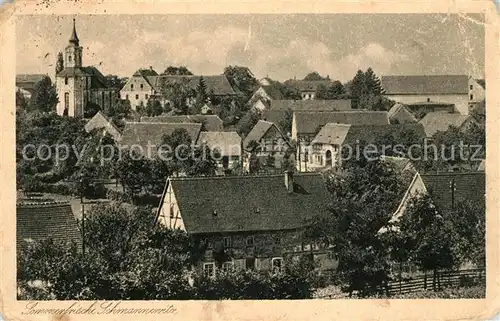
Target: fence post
425 279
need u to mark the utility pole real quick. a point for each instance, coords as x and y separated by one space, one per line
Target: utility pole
83 214
453 189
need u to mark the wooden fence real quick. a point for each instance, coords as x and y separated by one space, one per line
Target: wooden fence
442 279
429 281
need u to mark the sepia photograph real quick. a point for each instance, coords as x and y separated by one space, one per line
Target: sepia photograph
250 157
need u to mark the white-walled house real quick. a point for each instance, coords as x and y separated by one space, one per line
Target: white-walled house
414 89
477 90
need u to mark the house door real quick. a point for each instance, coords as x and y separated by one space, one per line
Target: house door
328 158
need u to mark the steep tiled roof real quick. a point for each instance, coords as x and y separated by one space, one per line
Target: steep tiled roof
273 116
439 121
310 122
102 121
401 114
308 85
218 83
249 203
341 134
259 130
311 105
145 73
212 122
469 186
421 84
144 134
228 143
49 220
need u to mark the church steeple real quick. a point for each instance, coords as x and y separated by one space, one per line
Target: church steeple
74 38
73 51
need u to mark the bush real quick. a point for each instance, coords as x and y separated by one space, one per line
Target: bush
475 292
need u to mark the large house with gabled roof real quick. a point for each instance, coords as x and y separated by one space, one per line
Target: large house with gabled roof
81 88
146 83
421 89
247 222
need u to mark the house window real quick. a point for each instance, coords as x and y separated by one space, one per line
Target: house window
126 97
250 241
471 87
171 211
66 80
131 86
227 266
331 256
209 244
69 58
142 86
209 269
277 264
250 263
277 240
471 97
146 96
227 242
136 97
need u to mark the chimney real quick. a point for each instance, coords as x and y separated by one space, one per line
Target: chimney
150 67
289 181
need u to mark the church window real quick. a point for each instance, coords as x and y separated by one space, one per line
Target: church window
136 96
131 86
66 100
66 80
69 58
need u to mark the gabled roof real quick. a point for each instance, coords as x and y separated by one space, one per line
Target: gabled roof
401 114
272 91
145 73
399 163
312 105
273 116
218 83
228 143
100 120
425 84
469 186
249 203
482 166
308 85
310 122
48 220
213 123
341 134
439 121
144 134
258 131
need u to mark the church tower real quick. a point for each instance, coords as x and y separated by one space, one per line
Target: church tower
73 51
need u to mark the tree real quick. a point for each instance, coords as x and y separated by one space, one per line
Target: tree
153 107
365 194
59 63
115 81
430 237
182 70
247 122
133 171
335 91
373 85
201 94
285 124
20 100
44 98
241 78
313 76
178 93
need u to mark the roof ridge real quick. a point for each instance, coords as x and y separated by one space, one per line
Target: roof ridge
207 178
454 173
33 202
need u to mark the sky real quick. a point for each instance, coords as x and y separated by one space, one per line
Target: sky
278 46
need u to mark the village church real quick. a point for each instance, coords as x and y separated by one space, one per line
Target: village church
81 88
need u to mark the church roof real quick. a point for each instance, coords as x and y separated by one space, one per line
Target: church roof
98 79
